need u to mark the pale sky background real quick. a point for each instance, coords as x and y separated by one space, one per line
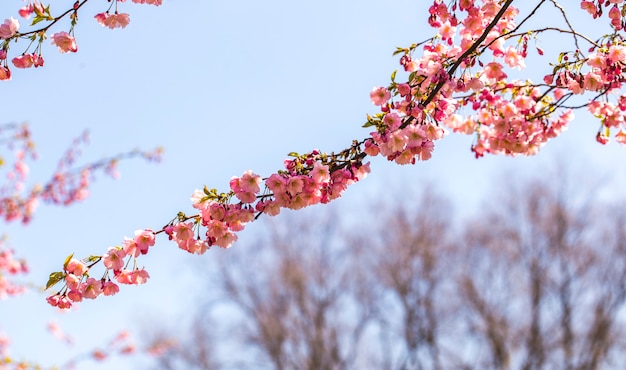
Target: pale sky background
223 86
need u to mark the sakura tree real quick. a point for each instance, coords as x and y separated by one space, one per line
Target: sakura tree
467 78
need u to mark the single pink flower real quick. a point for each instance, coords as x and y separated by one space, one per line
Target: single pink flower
494 70
144 239
9 28
99 355
276 183
590 7
53 300
76 267
72 281
64 302
602 139
271 208
5 74
130 247
226 240
75 295
65 42
124 277
139 276
91 288
250 182
26 11
110 288
114 258
380 96
295 185
23 61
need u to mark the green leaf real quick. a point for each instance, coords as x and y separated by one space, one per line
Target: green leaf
293 154
399 50
37 20
55 277
67 260
93 258
368 124
393 76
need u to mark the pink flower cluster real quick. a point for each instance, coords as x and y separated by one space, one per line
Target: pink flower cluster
121 344
121 20
615 13
10 266
28 60
510 117
65 41
116 20
33 7
68 184
308 179
78 283
459 81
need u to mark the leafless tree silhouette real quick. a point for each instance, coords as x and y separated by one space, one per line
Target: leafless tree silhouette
536 279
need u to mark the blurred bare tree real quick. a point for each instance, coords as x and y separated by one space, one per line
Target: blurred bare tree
535 280
543 281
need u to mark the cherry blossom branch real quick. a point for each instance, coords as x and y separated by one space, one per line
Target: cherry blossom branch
43 14
65 41
470 50
507 117
67 184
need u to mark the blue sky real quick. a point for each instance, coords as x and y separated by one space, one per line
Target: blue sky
223 86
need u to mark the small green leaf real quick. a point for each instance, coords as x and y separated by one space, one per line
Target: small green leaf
67 260
293 154
55 277
368 124
37 20
393 76
93 258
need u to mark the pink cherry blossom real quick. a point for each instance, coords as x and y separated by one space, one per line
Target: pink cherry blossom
5 73
9 28
114 258
380 95
53 300
23 61
91 288
75 295
494 70
64 302
76 267
117 20
110 288
73 281
65 42
144 239
139 276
